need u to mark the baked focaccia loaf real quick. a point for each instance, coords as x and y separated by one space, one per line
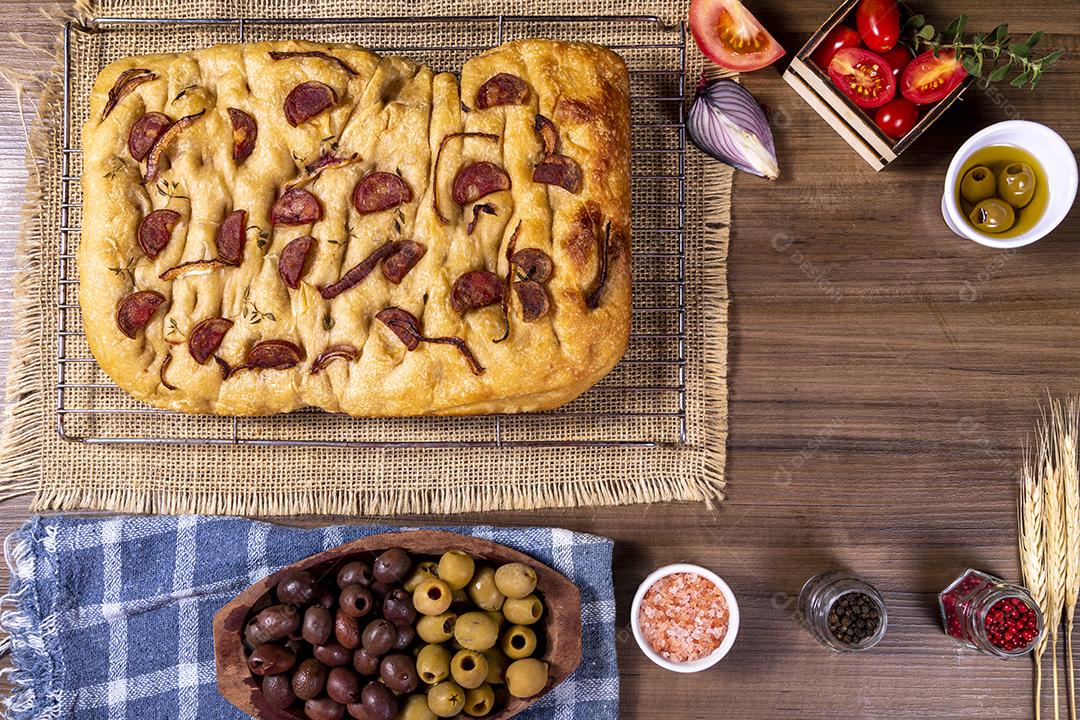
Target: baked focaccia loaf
279 225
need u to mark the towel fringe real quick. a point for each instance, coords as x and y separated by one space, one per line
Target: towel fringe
32 675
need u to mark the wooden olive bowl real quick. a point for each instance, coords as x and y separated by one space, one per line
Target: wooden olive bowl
560 624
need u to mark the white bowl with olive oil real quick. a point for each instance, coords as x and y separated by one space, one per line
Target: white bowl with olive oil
1017 153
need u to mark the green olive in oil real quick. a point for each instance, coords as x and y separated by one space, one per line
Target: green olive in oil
1002 191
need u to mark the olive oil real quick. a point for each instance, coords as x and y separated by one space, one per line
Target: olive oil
999 158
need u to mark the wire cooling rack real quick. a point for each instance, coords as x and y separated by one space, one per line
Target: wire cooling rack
642 403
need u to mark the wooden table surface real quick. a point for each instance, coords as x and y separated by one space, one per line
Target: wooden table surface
884 375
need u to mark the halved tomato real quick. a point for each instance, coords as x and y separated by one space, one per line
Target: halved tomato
731 36
839 37
929 79
864 77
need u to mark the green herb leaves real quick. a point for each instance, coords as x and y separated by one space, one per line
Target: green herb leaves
995 55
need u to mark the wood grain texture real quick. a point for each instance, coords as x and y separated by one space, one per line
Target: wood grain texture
884 375
560 627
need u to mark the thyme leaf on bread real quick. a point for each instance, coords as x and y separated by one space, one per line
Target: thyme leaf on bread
993 56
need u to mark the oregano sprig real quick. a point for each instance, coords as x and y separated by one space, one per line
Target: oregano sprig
994 55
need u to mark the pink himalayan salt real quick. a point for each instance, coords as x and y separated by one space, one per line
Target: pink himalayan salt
684 617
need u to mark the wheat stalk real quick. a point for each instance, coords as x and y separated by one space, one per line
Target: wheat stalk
1067 464
1032 552
1056 542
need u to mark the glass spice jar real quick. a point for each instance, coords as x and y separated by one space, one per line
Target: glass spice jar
990 615
834 601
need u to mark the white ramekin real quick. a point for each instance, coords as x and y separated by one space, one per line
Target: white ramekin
1052 152
725 644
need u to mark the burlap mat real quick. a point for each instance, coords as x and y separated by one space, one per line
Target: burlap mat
239 475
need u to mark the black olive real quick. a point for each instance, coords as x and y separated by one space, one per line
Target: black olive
277 689
392 566
365 663
406 634
356 601
309 679
277 622
378 702
343 686
324 709
399 673
332 655
318 625
355 573
271 660
398 607
297 588
347 631
379 637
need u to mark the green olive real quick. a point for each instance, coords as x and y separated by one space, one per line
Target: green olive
993 216
415 707
456 569
476 631
436 628
518 642
525 678
1016 185
446 699
483 591
469 669
423 571
433 664
515 580
432 597
497 664
479 701
978 184
524 611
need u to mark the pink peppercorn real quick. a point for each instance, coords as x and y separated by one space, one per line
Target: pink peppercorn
988 614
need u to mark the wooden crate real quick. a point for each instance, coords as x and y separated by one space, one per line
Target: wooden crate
853 123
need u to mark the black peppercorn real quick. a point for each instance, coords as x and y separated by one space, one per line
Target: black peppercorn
854 618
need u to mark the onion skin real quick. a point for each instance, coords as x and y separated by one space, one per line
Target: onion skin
727 123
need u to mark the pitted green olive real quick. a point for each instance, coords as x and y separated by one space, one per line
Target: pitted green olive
420 573
993 216
433 664
978 184
456 569
479 701
525 678
483 591
1016 185
446 699
476 631
523 611
518 642
436 628
469 669
497 664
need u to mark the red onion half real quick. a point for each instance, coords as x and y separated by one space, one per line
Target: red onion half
727 123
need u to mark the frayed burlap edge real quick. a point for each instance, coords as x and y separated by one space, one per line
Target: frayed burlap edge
26 416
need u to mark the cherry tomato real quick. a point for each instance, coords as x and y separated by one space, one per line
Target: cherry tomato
731 36
864 77
898 59
879 24
897 117
929 79
839 37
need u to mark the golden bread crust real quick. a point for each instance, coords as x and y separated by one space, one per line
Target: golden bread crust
393 115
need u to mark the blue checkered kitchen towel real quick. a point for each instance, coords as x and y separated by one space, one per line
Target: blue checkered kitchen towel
110 618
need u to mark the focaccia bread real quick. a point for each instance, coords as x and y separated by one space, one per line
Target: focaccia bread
279 225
